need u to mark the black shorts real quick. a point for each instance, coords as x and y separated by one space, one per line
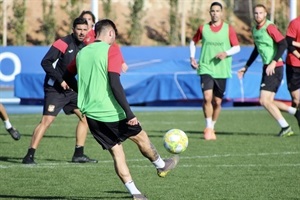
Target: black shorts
55 101
292 77
273 82
218 85
108 134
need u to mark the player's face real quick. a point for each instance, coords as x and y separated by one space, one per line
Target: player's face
215 13
260 15
89 19
80 31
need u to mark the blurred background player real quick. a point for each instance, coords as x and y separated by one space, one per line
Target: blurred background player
219 43
58 95
293 61
90 36
270 44
8 126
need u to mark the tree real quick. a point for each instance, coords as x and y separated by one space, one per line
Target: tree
17 24
72 9
106 8
194 21
48 24
136 29
173 20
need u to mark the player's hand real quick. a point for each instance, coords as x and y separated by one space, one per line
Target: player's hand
270 70
124 67
133 121
194 63
221 55
64 85
241 72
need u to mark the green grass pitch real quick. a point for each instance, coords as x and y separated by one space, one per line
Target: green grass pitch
247 161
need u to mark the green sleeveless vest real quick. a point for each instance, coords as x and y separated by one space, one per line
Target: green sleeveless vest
212 44
266 46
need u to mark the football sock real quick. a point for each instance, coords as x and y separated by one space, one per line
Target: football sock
292 110
213 124
283 123
132 188
159 163
78 151
208 122
7 124
31 152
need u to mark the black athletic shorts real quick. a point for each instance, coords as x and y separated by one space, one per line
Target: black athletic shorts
55 101
108 134
273 82
218 85
293 77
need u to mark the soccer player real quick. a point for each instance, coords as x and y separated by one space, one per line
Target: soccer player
293 61
58 95
270 44
91 19
219 43
102 100
8 126
90 36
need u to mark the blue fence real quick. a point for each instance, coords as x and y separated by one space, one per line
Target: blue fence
156 74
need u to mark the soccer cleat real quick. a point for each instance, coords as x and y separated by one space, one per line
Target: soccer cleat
14 133
209 134
170 164
285 132
297 115
139 197
83 159
28 160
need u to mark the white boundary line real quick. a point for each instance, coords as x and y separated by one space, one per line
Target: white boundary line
69 164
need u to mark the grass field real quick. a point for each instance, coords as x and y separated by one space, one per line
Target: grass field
247 161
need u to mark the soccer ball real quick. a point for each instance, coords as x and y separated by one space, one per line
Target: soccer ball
175 141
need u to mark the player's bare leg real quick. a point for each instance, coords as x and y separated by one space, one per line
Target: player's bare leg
81 134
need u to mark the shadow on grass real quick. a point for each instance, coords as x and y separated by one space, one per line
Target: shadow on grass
45 136
19 160
126 196
234 133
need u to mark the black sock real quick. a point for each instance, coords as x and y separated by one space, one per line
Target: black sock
78 151
30 152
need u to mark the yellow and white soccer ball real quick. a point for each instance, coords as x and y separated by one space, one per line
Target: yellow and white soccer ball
175 141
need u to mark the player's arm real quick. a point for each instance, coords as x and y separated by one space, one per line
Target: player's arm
115 61
69 75
56 50
279 39
292 46
249 62
194 41
235 47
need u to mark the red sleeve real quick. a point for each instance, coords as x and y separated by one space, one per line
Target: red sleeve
72 67
60 45
292 28
274 33
198 35
115 59
233 37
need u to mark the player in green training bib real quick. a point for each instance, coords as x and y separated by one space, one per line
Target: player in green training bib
270 44
219 43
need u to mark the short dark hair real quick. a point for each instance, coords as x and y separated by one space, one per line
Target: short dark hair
102 24
260 6
88 12
79 20
216 4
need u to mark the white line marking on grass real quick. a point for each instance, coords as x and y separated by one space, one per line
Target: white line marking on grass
93 165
